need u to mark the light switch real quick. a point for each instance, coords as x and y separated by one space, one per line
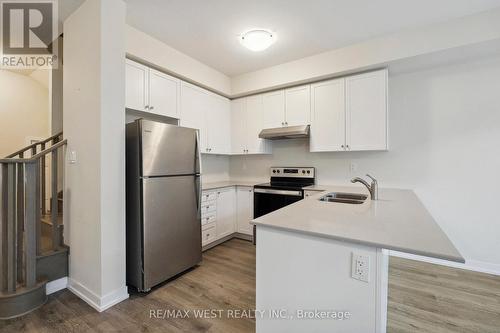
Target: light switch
72 157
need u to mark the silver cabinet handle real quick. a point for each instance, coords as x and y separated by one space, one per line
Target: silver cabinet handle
146 107
348 147
151 107
343 147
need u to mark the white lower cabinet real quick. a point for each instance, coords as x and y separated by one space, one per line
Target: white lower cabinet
225 211
244 209
208 234
226 205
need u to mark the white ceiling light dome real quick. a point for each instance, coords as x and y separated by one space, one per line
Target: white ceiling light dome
257 39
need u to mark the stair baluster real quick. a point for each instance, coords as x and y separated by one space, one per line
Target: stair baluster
26 265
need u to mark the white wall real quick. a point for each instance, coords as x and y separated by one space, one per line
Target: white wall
467 31
444 143
215 168
94 124
24 110
147 49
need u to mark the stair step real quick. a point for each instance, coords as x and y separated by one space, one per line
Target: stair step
52 265
23 301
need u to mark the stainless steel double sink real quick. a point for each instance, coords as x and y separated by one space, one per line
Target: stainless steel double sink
348 198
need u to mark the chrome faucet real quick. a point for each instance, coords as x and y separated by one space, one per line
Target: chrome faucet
372 188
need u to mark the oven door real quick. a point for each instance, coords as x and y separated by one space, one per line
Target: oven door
269 200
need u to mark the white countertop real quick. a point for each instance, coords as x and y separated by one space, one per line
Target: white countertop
397 221
227 183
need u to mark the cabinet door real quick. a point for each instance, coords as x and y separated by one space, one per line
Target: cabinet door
193 106
136 86
163 94
238 126
244 204
254 121
273 108
226 206
218 120
298 106
328 116
366 111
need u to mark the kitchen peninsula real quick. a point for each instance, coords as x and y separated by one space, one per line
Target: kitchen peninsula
317 255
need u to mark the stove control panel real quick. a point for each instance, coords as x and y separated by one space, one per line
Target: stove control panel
292 172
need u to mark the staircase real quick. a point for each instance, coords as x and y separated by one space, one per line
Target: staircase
31 234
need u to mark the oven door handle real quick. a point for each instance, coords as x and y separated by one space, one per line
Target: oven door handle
279 192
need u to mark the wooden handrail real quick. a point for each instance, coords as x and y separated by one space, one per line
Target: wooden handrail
34 158
23 199
25 149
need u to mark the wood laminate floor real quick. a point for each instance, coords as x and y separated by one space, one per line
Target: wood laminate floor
429 298
422 298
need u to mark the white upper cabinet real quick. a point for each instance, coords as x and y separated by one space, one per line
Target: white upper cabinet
328 116
151 91
238 126
298 106
273 108
210 114
226 206
289 107
366 111
164 91
193 106
345 114
136 82
246 124
254 121
350 114
244 209
218 125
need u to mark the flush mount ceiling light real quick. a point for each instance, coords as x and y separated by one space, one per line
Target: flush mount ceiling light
257 40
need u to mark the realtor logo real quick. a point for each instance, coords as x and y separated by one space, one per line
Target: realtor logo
29 29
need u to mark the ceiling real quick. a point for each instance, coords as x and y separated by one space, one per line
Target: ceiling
208 30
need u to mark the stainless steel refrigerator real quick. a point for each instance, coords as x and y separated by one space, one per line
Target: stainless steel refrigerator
163 202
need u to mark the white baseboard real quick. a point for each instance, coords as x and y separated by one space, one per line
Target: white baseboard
99 303
56 285
471 265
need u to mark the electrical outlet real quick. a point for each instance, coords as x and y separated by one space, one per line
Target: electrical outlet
360 267
353 167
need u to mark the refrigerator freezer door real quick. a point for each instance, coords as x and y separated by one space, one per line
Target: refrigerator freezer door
172 228
168 149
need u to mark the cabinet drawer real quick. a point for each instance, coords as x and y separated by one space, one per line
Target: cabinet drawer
208 207
208 218
208 235
208 196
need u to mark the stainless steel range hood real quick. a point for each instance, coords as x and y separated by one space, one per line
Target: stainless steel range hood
289 132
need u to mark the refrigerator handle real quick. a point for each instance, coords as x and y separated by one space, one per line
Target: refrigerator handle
197 166
197 184
198 171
